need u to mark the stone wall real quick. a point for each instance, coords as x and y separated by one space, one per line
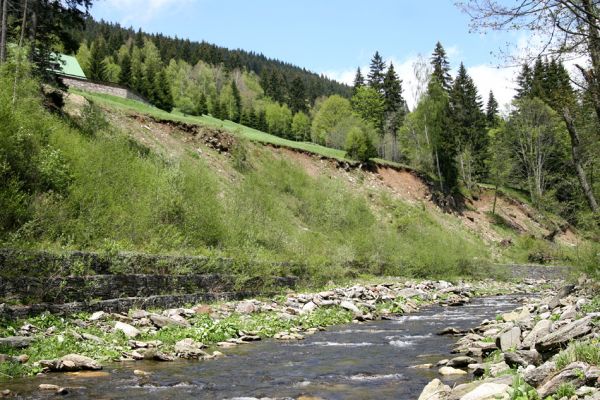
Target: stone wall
102 87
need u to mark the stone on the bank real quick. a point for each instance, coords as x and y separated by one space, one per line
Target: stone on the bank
446 371
536 376
522 358
562 293
245 307
190 349
487 391
573 374
477 369
97 316
460 362
161 321
128 330
449 331
154 354
91 338
16 342
510 339
350 306
308 308
541 329
569 312
498 368
435 390
70 363
139 372
48 386
562 336
139 314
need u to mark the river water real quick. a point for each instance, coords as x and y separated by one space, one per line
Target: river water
357 361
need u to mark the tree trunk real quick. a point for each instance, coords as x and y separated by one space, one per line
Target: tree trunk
593 78
3 31
575 150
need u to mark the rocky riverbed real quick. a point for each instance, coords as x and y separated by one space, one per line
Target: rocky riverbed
206 332
547 349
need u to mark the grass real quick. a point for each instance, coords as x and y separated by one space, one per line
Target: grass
588 352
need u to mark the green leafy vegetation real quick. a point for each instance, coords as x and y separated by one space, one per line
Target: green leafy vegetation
588 352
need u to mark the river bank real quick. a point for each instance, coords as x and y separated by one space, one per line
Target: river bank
549 348
48 343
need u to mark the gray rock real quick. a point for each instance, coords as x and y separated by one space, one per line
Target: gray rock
161 321
139 314
562 293
561 337
573 374
308 308
97 316
153 354
92 338
510 339
522 358
450 331
245 307
348 305
541 329
128 330
477 369
570 312
190 349
536 376
498 368
71 362
447 371
16 342
461 362
487 390
435 390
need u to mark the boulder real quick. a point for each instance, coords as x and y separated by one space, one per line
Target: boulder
348 305
461 362
70 363
510 339
128 330
522 358
562 293
541 329
16 342
190 349
161 321
573 374
569 313
308 308
446 371
536 376
139 314
97 316
561 337
245 307
485 391
498 368
450 331
435 390
153 354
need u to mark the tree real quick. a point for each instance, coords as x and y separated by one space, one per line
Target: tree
359 145
163 98
202 106
298 96
359 81
568 28
524 82
3 29
395 107
301 126
491 111
235 111
279 119
97 66
125 75
441 67
377 73
331 112
370 106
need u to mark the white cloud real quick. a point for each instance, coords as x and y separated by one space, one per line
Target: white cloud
139 12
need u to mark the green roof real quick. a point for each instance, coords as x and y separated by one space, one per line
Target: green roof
67 65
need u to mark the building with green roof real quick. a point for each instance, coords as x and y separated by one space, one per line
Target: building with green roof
65 65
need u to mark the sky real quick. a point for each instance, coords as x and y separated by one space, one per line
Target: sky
332 37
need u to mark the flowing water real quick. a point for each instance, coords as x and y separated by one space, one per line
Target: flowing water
358 361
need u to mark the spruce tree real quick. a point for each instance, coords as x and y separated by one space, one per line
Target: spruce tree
359 81
491 111
125 74
392 91
377 73
298 96
524 82
97 67
236 111
441 67
202 107
163 98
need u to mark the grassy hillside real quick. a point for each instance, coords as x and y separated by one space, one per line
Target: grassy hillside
89 182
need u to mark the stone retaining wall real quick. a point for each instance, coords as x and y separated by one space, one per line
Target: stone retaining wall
102 87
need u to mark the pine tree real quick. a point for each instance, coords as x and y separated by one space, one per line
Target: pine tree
359 81
298 96
376 73
441 67
491 111
539 79
125 74
524 82
97 67
163 98
202 107
236 111
261 121
392 91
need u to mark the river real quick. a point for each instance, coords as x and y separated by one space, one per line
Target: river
357 361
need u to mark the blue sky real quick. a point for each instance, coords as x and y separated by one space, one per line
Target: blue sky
327 36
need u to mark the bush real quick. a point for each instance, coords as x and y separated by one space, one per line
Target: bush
359 145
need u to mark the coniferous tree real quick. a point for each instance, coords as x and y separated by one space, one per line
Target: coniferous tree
524 82
297 101
125 74
394 107
163 98
261 121
97 67
202 107
236 111
359 81
441 67
376 73
491 111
